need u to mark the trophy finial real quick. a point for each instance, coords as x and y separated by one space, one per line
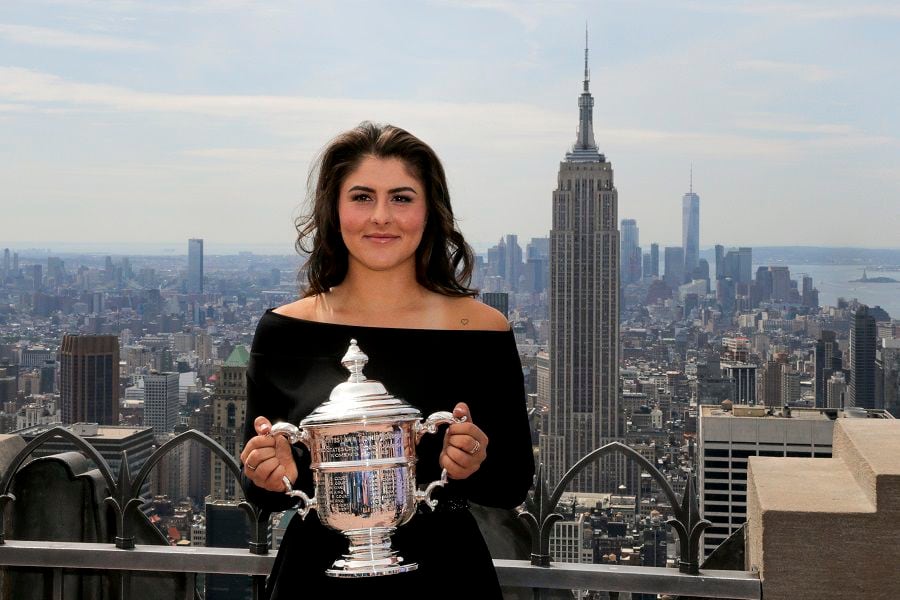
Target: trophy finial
354 361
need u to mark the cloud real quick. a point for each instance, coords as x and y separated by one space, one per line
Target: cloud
803 10
791 124
55 38
18 86
527 12
258 7
489 129
810 73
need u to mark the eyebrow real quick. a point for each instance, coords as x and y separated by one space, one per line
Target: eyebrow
363 188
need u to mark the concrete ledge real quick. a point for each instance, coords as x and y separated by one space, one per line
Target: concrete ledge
813 485
871 450
828 528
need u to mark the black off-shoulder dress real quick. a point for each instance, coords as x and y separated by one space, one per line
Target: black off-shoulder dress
295 363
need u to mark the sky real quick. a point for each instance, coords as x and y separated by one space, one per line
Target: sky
132 121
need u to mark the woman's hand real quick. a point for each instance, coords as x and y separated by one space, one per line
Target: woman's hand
268 459
465 446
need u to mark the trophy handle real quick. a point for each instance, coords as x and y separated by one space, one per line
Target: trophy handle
292 433
430 425
425 496
306 503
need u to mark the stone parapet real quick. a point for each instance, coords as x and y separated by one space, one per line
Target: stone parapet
828 528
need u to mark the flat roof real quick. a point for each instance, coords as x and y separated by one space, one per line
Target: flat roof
826 414
117 432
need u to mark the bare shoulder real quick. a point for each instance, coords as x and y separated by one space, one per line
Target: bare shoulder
304 308
468 313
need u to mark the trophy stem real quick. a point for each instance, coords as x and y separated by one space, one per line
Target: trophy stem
370 555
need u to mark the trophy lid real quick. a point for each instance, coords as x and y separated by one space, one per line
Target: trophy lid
358 398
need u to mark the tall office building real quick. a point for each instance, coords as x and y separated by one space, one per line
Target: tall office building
743 381
744 260
887 375
630 252
764 283
781 283
809 295
195 266
736 263
498 300
584 409
229 403
837 390
720 262
861 390
513 257
690 229
654 260
89 379
6 262
674 267
496 259
161 402
828 360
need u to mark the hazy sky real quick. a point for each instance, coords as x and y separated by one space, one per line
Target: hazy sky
160 120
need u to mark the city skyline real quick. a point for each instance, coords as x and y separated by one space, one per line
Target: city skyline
200 127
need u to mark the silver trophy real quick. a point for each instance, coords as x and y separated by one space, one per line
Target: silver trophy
362 444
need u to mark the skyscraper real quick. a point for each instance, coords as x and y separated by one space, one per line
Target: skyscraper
229 403
630 252
513 260
736 263
584 312
828 360
89 379
498 300
720 261
690 229
861 390
195 266
674 267
781 283
161 402
654 260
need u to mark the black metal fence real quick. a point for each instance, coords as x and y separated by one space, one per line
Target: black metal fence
539 513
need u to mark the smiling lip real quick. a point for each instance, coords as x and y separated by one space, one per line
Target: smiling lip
381 238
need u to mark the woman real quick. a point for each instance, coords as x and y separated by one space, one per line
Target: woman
388 267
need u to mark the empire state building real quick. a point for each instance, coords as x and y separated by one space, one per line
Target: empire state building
584 407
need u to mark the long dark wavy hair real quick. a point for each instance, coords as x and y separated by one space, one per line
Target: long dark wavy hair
444 260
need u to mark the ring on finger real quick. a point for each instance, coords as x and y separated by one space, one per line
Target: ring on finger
475 448
251 467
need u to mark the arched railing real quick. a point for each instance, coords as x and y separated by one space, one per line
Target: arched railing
539 511
125 491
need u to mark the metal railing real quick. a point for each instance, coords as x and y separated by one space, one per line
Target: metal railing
60 556
539 512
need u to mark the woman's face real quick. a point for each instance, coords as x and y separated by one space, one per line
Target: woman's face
381 212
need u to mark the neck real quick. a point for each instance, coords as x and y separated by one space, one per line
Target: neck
365 292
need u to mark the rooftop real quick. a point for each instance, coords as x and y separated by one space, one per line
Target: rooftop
239 357
87 431
761 411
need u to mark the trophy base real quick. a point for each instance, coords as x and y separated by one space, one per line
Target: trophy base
370 555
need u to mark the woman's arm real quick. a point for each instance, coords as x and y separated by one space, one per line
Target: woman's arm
507 473
263 402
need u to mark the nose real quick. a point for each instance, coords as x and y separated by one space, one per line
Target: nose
381 212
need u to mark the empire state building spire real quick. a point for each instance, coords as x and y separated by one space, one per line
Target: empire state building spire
585 148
